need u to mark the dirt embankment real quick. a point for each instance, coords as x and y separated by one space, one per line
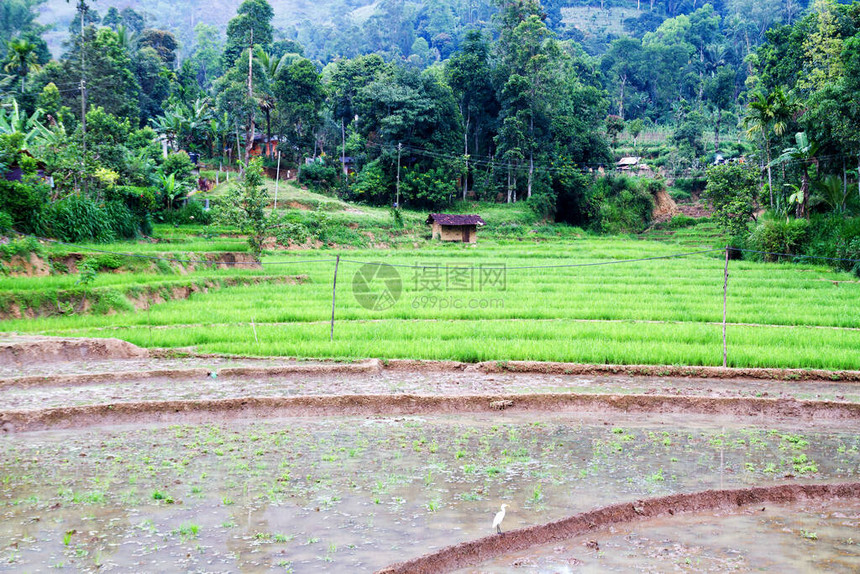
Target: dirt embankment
29 305
23 350
665 207
33 265
195 411
469 554
628 370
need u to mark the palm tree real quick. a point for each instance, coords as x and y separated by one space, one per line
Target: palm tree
804 153
768 113
272 67
22 59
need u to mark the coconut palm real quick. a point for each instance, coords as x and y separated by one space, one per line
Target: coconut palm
768 113
804 153
22 59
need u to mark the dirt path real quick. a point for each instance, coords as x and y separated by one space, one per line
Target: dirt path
475 552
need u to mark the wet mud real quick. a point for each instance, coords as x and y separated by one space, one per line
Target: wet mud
478 551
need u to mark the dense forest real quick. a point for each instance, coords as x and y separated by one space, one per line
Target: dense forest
425 103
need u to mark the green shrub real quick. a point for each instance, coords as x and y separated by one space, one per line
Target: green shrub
193 212
679 194
179 165
6 222
681 221
295 232
76 219
372 184
123 223
773 235
619 205
318 174
24 202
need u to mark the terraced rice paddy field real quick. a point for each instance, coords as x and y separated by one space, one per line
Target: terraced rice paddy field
237 436
213 464
505 301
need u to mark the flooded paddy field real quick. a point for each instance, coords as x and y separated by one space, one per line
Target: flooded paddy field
813 536
358 493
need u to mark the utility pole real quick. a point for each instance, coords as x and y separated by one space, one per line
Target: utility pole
249 144
82 9
344 171
397 199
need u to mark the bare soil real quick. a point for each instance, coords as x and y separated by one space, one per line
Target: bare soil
23 351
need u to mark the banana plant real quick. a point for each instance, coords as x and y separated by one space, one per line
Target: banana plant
15 121
172 190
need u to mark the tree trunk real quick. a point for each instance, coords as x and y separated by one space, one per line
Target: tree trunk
509 183
531 157
249 142
716 131
621 98
804 187
466 154
769 173
343 149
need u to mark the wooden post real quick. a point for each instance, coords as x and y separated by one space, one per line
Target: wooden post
333 296
725 301
277 179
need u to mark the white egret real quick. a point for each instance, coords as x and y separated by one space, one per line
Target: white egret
497 521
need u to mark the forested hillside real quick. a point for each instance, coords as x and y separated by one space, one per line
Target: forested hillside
425 104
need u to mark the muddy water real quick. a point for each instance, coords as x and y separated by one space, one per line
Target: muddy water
126 388
355 494
790 539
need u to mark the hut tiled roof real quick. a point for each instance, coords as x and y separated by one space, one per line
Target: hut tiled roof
450 219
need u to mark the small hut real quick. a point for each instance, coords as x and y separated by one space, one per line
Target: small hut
629 163
462 228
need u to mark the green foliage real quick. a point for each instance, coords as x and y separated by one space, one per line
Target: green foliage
192 213
318 174
433 188
778 235
23 202
373 185
6 222
178 165
732 190
245 207
619 205
77 219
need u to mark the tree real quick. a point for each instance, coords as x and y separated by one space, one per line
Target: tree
21 60
524 57
720 91
768 113
164 43
804 154
732 190
252 24
300 96
245 207
110 78
469 75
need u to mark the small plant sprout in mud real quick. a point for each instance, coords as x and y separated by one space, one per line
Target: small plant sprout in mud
497 521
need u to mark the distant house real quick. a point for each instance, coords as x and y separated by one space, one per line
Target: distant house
264 146
462 228
628 163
